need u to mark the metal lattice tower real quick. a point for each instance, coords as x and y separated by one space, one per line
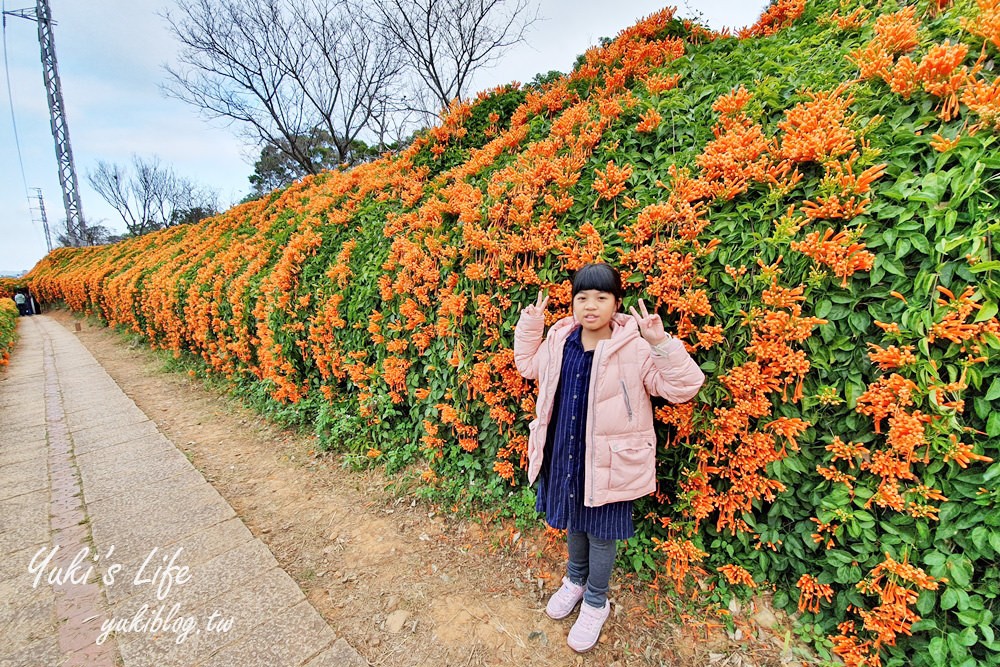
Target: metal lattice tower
76 229
45 219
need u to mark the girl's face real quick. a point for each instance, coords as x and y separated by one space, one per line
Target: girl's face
593 309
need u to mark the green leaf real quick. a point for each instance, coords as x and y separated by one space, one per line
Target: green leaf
995 541
985 266
993 425
970 617
994 391
949 598
938 650
921 243
960 570
988 310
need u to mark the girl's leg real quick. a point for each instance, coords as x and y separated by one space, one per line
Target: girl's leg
578 567
564 601
601 557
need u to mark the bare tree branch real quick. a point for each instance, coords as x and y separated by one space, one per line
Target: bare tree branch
289 72
447 41
151 196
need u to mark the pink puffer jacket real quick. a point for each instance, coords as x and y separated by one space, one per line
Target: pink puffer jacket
621 442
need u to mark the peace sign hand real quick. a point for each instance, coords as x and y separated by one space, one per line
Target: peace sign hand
537 309
650 325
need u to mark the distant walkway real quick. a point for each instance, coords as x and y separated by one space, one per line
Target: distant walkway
105 525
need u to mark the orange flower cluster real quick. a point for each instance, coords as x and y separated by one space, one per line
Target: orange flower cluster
610 183
853 21
953 325
778 15
844 190
838 251
891 358
894 34
940 72
649 121
737 575
895 585
983 99
680 557
986 22
811 592
736 450
818 129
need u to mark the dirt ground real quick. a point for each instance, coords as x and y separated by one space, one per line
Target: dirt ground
402 581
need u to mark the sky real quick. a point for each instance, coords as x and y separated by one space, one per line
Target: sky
110 60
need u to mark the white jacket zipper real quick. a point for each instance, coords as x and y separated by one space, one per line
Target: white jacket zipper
628 403
592 416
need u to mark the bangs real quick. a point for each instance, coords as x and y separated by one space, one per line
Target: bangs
600 277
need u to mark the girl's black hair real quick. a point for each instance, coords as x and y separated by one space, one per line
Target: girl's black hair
601 277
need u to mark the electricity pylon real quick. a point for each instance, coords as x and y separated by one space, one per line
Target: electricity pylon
76 229
45 219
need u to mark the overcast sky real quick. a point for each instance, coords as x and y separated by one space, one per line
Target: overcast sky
110 56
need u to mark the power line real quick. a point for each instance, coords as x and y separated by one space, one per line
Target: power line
13 118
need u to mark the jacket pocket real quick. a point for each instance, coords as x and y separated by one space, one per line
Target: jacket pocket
632 462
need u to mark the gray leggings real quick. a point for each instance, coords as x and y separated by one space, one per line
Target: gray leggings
590 563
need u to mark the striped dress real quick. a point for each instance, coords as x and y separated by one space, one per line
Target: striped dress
560 483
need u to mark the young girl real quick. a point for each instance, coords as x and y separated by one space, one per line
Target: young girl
592 447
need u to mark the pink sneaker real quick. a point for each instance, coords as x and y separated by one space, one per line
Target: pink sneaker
584 633
564 600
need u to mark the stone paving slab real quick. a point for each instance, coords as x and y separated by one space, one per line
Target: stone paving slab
24 520
21 478
272 586
104 479
294 637
45 651
23 450
88 440
87 477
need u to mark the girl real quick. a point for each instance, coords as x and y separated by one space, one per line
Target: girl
592 447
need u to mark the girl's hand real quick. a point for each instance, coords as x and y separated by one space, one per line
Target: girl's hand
537 309
650 325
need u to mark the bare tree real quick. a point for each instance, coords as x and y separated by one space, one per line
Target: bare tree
150 196
447 41
289 72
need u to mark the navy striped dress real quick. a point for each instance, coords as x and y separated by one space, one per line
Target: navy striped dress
560 483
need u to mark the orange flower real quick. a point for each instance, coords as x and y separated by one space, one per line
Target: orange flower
898 32
891 358
839 252
942 75
811 592
983 99
737 575
986 23
611 182
817 129
649 121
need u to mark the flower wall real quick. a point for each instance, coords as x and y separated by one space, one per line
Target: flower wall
8 329
810 204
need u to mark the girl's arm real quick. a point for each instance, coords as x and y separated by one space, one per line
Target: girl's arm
528 336
669 372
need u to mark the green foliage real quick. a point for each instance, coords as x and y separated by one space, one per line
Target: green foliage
8 328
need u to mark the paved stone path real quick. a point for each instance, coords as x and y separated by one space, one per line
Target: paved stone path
114 550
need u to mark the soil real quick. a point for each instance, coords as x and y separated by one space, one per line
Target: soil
406 583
